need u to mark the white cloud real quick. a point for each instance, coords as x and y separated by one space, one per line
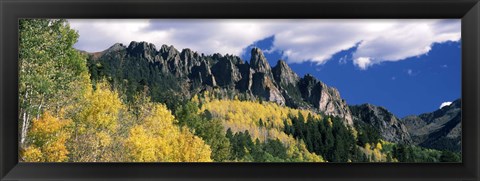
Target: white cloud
300 40
97 35
408 39
363 62
205 36
445 104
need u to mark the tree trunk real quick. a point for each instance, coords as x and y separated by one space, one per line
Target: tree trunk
23 132
39 108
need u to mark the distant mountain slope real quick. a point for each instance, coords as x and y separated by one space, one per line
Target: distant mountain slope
173 75
440 129
380 119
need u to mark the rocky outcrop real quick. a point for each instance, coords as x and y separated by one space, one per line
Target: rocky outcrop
284 75
117 51
142 50
226 71
388 125
440 129
259 63
203 75
287 80
325 99
116 48
263 84
140 64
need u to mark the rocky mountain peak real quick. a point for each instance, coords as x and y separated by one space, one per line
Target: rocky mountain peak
187 52
164 49
116 47
234 59
142 49
141 46
284 75
217 56
389 126
112 51
440 129
258 62
168 52
326 99
310 79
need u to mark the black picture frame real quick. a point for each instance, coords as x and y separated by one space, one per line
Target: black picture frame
467 10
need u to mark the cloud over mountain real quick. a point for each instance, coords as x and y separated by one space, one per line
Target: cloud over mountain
376 41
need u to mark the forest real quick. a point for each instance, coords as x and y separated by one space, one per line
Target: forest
70 112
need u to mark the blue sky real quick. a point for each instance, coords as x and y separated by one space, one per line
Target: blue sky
412 86
406 66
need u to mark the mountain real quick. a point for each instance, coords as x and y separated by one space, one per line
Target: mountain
388 125
173 76
441 129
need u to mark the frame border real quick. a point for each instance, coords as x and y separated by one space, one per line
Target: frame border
467 10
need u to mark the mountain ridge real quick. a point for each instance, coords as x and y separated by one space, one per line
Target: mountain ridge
440 129
389 126
255 78
189 72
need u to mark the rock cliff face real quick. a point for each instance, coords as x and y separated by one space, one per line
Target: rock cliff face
284 75
255 78
288 83
441 129
326 99
263 83
389 126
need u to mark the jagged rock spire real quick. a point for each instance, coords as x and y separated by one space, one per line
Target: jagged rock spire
284 75
258 62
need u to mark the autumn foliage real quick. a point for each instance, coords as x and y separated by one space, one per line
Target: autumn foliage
158 139
48 135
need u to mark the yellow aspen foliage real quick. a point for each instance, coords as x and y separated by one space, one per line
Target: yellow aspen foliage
241 116
101 109
195 99
48 136
96 125
141 145
245 115
193 148
158 139
368 146
301 154
32 154
206 96
330 123
355 133
248 113
374 152
56 151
